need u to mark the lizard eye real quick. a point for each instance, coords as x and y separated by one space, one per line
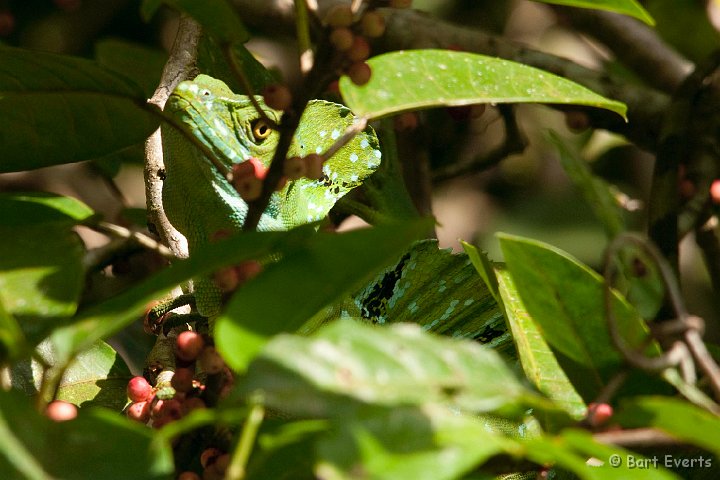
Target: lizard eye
261 130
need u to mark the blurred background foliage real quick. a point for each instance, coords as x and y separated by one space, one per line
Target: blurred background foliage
527 194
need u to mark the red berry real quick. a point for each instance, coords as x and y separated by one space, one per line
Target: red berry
342 39
360 49
139 411
359 73
61 411
334 87
372 24
248 270
226 279
405 121
294 168
277 96
577 121
260 168
182 380
339 16
715 191
314 166
138 389
249 188
169 410
188 476
211 361
189 345
599 413
209 456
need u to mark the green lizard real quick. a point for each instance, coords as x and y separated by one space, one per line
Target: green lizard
230 128
434 288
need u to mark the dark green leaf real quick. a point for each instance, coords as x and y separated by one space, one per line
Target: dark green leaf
98 444
309 277
414 79
429 442
677 418
58 109
626 7
211 61
139 63
397 365
565 300
148 8
217 18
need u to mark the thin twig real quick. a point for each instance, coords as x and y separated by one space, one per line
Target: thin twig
136 237
640 437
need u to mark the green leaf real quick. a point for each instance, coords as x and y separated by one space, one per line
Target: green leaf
675 417
12 340
96 377
565 300
429 442
414 79
217 18
309 277
537 359
40 280
47 100
349 361
626 7
141 64
97 444
212 62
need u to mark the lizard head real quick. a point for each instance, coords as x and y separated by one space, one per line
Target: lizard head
226 123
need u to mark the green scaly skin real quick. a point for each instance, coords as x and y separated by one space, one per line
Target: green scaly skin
199 201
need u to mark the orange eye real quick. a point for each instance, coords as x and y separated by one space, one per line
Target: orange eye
261 130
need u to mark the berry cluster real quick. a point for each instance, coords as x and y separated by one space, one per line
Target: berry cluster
214 463
185 393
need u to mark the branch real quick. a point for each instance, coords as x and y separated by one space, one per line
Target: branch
640 437
636 45
179 67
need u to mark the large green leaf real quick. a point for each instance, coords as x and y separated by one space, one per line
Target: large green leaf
414 79
141 64
58 109
97 444
217 17
626 7
349 361
676 417
41 272
97 376
565 300
309 277
429 442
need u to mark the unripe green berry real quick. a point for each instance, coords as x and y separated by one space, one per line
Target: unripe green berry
359 73
277 96
372 24
360 49
60 411
339 16
342 39
189 345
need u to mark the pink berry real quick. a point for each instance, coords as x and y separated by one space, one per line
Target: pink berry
360 49
138 389
372 24
248 270
226 279
182 380
715 191
188 476
139 411
189 345
211 361
406 121
339 16
60 411
599 413
294 168
277 96
359 73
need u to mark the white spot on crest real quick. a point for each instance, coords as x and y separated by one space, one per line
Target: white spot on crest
353 178
318 150
322 133
335 134
377 153
353 157
193 88
364 143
